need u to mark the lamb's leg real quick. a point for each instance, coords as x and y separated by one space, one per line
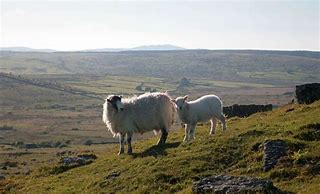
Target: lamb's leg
192 131
186 135
129 138
163 138
222 118
121 139
213 126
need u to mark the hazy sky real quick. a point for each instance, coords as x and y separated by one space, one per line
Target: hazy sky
237 24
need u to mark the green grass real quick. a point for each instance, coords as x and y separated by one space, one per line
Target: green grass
286 76
231 84
173 167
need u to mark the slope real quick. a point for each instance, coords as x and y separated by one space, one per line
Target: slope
174 167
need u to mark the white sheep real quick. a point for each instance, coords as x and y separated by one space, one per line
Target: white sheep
206 108
147 112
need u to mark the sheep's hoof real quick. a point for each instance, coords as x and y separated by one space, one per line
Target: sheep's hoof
160 143
129 151
186 141
120 152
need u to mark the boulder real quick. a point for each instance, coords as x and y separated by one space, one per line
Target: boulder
237 110
307 93
79 160
273 151
224 184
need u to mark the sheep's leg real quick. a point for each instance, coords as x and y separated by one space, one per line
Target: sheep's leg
213 126
129 138
222 118
186 135
121 139
163 138
192 131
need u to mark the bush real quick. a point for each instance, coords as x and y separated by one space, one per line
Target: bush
284 174
6 128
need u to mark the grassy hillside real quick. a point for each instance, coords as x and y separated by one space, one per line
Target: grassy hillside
275 67
174 167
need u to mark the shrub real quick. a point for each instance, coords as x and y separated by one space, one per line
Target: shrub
6 128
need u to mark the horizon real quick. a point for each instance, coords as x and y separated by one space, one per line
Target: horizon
124 49
212 25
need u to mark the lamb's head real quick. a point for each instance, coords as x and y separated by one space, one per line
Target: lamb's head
180 102
115 102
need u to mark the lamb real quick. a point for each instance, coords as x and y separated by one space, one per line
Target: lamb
147 112
206 108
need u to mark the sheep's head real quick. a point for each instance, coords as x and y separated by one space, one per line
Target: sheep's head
115 102
180 102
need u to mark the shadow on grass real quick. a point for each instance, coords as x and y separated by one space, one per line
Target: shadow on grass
156 150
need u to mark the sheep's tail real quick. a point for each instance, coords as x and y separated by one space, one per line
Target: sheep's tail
222 113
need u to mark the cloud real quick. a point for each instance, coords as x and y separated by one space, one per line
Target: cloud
17 12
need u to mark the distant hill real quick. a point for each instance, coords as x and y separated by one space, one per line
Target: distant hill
253 66
164 47
104 50
25 49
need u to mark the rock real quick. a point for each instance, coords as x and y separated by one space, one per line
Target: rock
79 160
273 151
223 184
245 110
31 146
88 142
307 93
112 175
2 177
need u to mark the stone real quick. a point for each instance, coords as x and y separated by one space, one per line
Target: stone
273 151
224 184
307 93
237 110
2 177
112 175
79 160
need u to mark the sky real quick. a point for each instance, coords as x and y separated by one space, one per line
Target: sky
235 24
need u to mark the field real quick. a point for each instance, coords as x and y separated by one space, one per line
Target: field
52 103
173 168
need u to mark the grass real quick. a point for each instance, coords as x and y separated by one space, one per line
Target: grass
289 76
175 166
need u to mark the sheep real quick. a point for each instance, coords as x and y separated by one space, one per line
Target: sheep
147 112
206 108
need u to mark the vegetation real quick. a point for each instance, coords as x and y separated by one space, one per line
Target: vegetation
268 67
49 106
173 167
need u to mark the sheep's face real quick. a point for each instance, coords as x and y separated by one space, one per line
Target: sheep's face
180 102
115 102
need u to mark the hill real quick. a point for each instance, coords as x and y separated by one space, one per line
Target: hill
287 68
173 167
163 47
25 49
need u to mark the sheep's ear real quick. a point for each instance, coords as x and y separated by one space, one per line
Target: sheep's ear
121 97
108 100
185 97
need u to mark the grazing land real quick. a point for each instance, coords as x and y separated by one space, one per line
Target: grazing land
52 103
174 167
